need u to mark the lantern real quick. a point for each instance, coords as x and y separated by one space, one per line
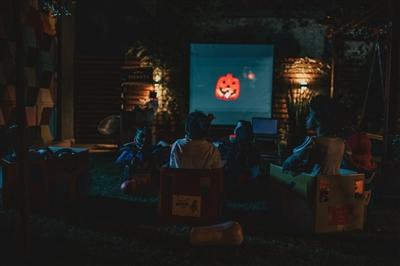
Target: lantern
227 88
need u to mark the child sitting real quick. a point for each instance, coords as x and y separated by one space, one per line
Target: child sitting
243 159
322 154
194 151
139 156
360 155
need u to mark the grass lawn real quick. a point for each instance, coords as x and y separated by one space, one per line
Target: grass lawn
113 228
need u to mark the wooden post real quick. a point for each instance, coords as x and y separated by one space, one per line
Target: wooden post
21 149
66 86
396 66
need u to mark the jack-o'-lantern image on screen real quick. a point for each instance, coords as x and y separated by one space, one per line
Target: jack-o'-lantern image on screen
227 88
231 81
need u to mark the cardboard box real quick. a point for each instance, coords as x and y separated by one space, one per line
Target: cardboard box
54 183
301 184
339 203
191 196
335 203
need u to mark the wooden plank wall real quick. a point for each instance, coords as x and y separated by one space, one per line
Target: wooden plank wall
97 95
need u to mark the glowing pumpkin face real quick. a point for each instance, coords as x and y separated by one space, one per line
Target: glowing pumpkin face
227 88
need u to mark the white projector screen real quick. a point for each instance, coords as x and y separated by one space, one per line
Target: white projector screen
231 81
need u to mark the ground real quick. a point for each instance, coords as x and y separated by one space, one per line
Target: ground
113 228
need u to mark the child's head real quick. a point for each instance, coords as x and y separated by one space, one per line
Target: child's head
197 125
323 115
317 110
242 123
243 132
140 136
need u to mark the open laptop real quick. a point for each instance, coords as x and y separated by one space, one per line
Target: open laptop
265 127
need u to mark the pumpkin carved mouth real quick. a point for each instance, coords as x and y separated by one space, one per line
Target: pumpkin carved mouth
227 92
227 88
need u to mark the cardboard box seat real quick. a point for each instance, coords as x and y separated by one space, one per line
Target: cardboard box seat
191 196
336 203
54 182
304 183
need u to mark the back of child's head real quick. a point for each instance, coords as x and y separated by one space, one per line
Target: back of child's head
319 102
197 125
244 132
326 112
140 136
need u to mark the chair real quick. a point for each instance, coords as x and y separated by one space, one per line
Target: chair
191 196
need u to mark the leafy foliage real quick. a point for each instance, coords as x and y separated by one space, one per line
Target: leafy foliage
173 24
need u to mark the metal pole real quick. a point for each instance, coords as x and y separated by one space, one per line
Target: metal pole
21 149
386 126
388 87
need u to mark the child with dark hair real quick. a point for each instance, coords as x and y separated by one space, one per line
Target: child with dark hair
243 159
323 153
139 155
194 151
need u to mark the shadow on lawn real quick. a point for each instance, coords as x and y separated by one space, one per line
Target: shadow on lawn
112 228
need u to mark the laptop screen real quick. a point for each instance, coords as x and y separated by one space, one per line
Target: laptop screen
264 126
